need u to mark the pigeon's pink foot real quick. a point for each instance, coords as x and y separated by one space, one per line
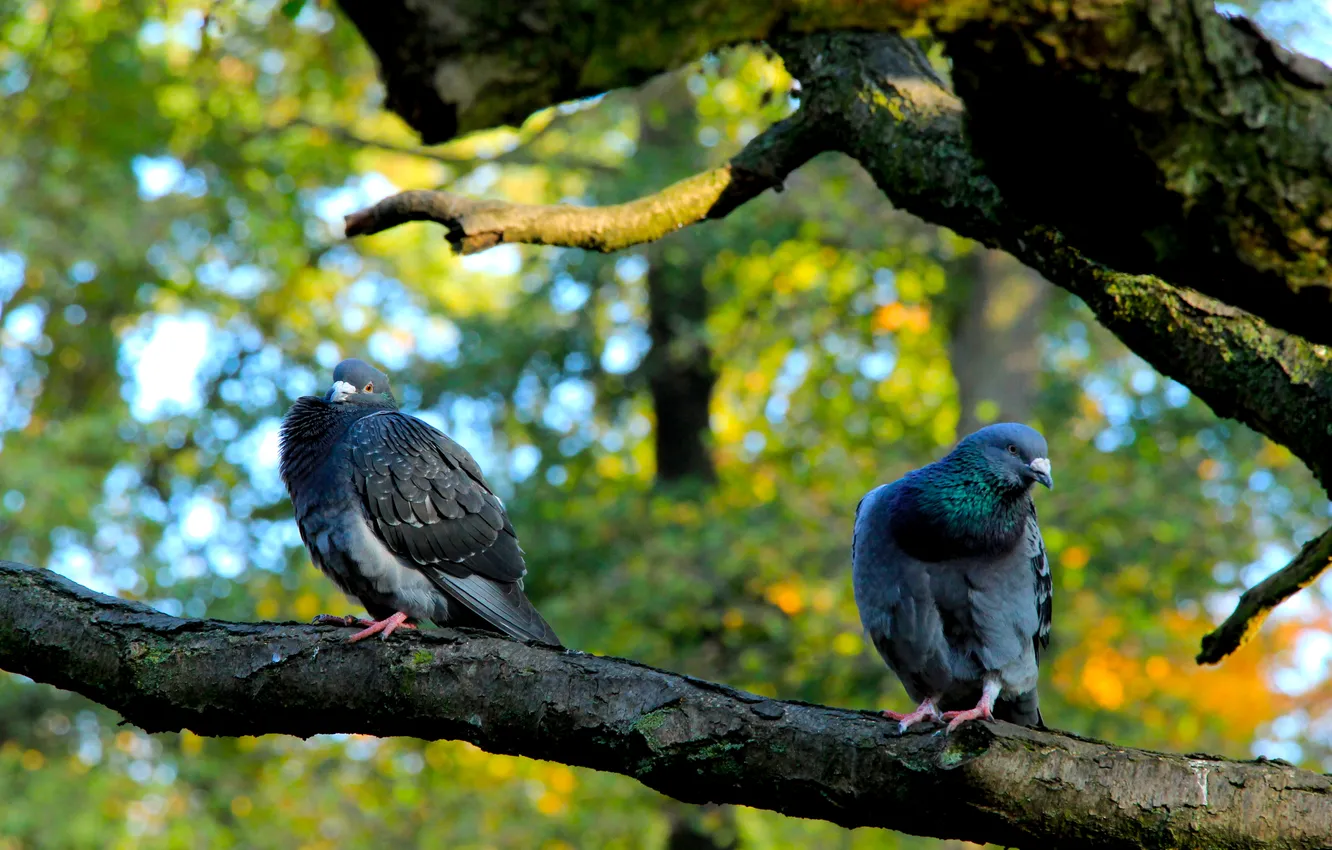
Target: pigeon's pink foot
984 709
905 721
957 718
340 620
386 626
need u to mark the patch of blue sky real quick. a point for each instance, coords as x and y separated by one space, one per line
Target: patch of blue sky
625 350
631 268
1309 662
568 294
523 461
243 281
390 349
313 18
23 325
332 205
480 180
1304 26
502 261
12 268
164 357
878 365
570 405
257 452
159 176
15 77
76 563
187 32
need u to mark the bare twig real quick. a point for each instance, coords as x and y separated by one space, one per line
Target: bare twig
1259 600
475 225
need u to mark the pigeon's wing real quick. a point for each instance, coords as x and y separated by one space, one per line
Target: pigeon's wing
1040 565
1025 707
425 499
897 606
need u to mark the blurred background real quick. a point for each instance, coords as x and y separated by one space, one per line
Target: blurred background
681 431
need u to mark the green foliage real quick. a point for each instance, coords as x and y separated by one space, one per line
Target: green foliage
171 176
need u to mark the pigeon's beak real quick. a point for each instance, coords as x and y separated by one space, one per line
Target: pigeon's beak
339 392
1040 470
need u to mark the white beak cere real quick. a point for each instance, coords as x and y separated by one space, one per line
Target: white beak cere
1040 464
342 389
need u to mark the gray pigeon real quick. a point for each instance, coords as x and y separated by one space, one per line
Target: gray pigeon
398 515
952 581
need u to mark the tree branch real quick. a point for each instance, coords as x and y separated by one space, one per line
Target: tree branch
475 225
473 64
1158 136
1258 601
1162 137
693 740
875 98
888 110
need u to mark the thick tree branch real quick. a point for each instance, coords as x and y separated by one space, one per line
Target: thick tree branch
875 98
1258 601
1158 136
1161 137
888 110
694 740
466 65
475 225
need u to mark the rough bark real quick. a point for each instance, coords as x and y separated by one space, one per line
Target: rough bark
693 740
1164 138
1159 136
453 66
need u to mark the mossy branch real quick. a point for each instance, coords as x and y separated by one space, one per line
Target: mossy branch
1158 136
693 740
475 225
886 108
1258 601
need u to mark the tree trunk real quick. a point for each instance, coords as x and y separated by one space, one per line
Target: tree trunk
995 345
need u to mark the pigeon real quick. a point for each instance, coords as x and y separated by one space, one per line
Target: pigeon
398 515
952 581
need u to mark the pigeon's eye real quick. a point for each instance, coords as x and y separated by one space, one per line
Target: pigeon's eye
1011 449
370 387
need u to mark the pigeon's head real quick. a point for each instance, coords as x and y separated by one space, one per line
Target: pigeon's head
1015 453
357 382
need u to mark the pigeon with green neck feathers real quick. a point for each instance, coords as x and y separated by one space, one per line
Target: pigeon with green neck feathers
952 580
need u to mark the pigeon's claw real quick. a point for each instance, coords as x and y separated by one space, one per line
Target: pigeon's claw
957 718
984 709
340 620
923 711
386 626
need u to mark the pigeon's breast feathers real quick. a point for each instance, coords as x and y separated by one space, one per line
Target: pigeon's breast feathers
314 425
976 500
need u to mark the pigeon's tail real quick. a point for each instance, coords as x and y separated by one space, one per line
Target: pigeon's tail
503 605
1024 710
